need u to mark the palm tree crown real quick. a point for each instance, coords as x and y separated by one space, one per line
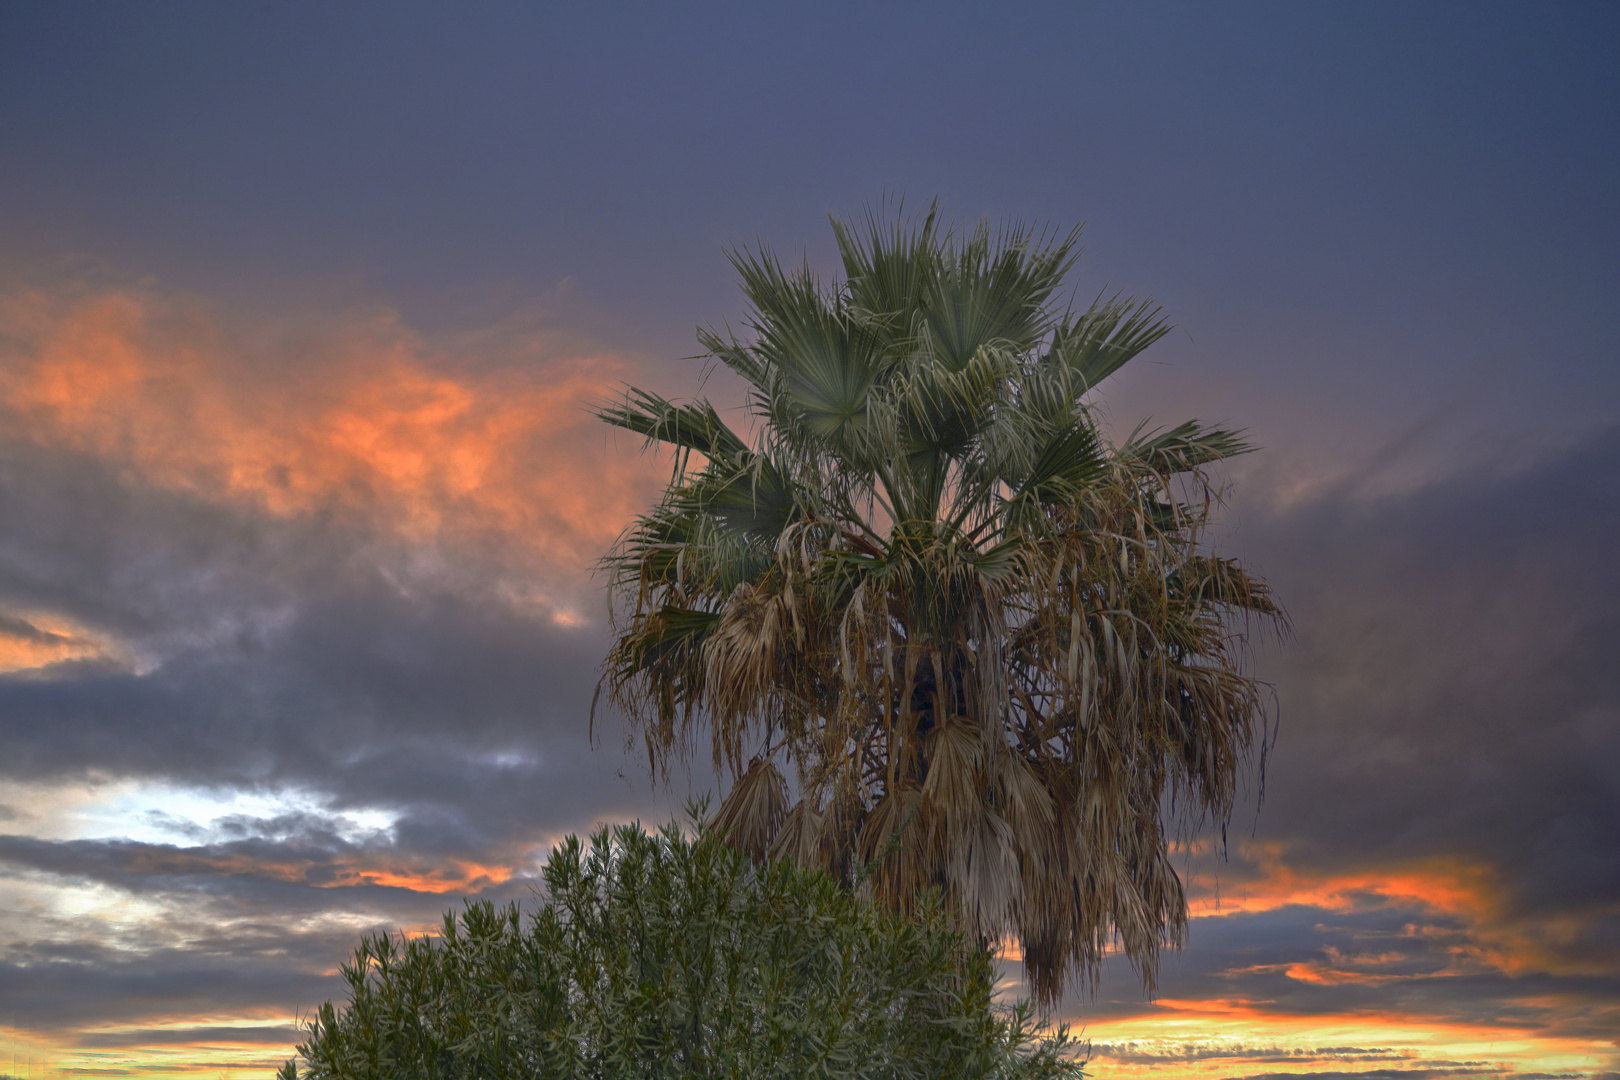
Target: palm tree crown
994 650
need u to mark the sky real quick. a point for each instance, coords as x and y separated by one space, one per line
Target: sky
301 310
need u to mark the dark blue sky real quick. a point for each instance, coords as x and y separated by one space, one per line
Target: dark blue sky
1373 164
299 305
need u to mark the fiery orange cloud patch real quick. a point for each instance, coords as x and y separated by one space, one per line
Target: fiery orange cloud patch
360 417
1338 969
1459 928
32 641
1449 885
1460 923
449 876
1470 894
428 875
1462 927
1443 885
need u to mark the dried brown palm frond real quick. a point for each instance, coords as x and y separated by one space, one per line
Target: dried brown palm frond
900 867
751 815
800 838
992 648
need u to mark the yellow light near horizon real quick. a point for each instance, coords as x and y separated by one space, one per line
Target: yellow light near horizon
1214 1038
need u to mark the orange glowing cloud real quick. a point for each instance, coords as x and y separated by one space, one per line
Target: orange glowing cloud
34 641
1449 885
458 876
360 418
1468 915
1460 927
437 874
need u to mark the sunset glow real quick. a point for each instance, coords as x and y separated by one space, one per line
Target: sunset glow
304 312
359 417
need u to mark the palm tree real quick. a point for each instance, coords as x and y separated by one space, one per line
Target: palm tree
995 652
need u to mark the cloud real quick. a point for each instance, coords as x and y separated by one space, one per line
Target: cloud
279 554
1452 700
341 568
331 561
238 1034
45 643
360 417
1168 1053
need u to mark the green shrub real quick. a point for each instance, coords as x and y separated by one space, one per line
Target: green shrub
654 956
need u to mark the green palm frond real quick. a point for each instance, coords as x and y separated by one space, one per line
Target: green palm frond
693 427
1184 448
1106 337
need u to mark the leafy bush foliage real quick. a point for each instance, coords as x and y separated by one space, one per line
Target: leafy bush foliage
657 956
